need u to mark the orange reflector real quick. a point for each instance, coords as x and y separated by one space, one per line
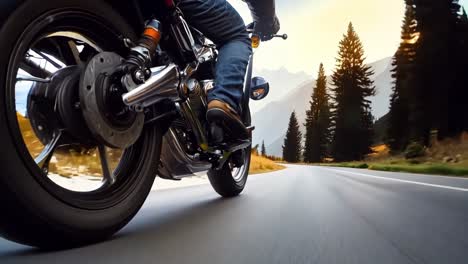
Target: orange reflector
255 41
153 33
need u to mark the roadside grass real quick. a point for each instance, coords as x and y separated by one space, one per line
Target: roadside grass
436 169
403 166
260 164
447 157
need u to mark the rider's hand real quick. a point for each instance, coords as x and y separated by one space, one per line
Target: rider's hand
266 29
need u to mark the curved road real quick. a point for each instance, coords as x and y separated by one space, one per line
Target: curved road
298 215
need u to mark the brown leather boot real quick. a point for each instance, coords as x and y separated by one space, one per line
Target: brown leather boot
223 115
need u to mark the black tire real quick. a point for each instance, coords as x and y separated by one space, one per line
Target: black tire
223 181
33 210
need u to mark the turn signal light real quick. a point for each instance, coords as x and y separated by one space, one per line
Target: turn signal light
255 41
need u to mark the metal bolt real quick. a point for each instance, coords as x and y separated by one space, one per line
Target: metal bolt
148 72
128 43
138 108
139 75
114 89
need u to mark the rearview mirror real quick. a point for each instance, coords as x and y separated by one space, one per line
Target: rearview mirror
259 88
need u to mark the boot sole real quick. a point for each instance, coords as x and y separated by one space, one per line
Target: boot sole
234 128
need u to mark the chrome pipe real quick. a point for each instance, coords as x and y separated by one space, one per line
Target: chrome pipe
163 84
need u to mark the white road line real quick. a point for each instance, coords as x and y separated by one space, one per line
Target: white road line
404 181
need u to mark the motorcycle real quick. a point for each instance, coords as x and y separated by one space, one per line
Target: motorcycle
92 112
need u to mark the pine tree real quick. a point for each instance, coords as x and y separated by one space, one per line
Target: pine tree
317 137
403 72
264 154
435 73
292 142
430 74
457 116
353 121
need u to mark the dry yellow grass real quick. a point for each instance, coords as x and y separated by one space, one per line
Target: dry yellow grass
70 162
450 148
67 162
261 165
446 157
453 149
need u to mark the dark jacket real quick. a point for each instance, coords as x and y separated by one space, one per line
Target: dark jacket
262 10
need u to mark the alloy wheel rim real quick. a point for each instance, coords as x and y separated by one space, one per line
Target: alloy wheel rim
65 173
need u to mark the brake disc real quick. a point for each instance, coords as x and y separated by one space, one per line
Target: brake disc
108 119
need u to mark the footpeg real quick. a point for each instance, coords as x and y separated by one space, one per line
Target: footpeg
233 146
241 144
228 150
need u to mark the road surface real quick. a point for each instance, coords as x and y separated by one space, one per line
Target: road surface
298 215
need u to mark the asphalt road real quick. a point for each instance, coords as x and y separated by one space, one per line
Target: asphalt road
298 215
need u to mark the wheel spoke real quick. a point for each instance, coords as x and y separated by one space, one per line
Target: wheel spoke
44 158
33 68
108 174
49 59
26 78
75 52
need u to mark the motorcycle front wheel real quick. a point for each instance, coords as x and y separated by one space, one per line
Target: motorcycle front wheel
231 179
55 186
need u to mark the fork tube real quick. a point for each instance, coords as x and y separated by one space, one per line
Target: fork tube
247 87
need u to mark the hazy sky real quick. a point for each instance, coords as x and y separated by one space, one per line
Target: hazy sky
315 28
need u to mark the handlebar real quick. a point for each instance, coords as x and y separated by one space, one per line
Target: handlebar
284 36
251 30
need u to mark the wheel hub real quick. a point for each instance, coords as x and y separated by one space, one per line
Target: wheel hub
108 119
55 105
87 103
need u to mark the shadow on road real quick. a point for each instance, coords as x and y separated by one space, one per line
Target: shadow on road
165 217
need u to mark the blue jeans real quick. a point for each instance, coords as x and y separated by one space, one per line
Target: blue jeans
223 25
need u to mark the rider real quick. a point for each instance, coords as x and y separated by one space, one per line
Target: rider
222 24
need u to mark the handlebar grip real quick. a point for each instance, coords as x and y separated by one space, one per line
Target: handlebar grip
284 36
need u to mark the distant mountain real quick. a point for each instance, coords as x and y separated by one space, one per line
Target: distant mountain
276 147
281 83
381 66
272 120
383 83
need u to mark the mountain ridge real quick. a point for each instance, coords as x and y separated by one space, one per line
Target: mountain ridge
271 120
